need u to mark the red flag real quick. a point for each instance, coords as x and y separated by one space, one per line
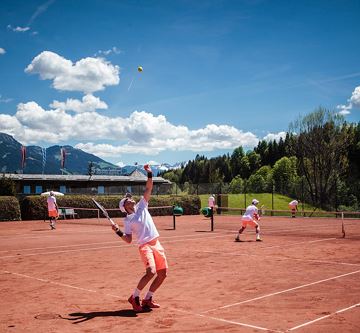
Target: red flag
62 157
23 156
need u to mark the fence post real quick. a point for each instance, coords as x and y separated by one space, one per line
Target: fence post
302 195
174 223
272 200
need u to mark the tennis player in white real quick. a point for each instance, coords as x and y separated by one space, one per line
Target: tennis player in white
250 217
139 222
293 205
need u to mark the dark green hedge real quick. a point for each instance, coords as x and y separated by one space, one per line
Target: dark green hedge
9 209
35 207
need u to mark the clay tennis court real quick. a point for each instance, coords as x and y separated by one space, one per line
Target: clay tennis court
303 277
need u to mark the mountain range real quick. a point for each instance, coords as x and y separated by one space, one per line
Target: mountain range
59 160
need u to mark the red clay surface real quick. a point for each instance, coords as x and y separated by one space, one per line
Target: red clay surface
303 277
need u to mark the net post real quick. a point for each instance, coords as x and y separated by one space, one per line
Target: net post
342 225
174 221
212 218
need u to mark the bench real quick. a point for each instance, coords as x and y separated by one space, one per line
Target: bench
70 212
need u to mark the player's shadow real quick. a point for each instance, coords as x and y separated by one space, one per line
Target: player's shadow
47 229
79 317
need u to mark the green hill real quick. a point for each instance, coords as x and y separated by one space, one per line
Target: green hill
270 202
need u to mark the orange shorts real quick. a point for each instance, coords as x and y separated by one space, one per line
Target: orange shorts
246 222
53 213
153 255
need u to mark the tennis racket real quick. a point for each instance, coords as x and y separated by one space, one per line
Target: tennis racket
105 213
262 210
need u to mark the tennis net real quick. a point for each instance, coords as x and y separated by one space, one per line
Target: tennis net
339 226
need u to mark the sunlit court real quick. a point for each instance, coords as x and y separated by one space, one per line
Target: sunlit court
303 277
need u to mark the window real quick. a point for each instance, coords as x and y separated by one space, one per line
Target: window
101 189
27 189
62 189
38 189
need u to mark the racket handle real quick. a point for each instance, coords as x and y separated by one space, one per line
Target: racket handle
117 230
119 233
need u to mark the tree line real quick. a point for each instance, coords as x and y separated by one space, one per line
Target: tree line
318 162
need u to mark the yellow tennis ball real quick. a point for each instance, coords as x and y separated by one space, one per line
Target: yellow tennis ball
140 69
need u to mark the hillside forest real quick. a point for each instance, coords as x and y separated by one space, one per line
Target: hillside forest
318 162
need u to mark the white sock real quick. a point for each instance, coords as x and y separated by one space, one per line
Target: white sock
149 294
136 292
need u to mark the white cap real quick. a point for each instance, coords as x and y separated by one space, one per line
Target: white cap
122 203
52 193
255 202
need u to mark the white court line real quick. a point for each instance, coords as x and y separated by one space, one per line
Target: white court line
50 281
226 321
83 244
116 296
303 242
63 251
282 291
324 317
281 258
102 247
58 246
60 232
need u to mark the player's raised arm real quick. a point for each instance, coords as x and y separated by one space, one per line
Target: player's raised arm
149 183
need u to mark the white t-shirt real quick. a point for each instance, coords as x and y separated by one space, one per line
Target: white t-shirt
141 223
293 203
211 201
51 201
250 212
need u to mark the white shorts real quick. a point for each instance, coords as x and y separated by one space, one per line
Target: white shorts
247 221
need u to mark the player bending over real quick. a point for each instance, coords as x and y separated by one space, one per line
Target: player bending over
53 210
293 205
139 222
251 217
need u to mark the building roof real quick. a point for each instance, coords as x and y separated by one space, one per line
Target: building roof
134 177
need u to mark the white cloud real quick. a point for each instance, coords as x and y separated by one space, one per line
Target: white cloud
5 100
140 133
344 109
120 164
114 50
39 10
355 97
18 29
151 162
87 75
354 102
2 51
89 103
274 136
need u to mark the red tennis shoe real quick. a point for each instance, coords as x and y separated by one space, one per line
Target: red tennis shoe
135 302
149 303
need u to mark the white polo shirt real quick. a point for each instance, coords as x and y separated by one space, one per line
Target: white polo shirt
141 223
51 201
250 212
293 203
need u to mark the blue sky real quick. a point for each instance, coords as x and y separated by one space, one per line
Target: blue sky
216 74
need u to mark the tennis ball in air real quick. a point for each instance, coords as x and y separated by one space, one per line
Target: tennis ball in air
140 69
